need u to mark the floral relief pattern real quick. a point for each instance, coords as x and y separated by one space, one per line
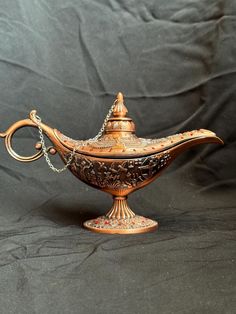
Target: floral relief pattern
118 174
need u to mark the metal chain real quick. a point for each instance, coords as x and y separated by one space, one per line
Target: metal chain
81 143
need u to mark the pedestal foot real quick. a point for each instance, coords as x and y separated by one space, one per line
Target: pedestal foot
121 219
136 224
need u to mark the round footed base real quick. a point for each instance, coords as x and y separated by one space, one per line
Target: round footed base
137 224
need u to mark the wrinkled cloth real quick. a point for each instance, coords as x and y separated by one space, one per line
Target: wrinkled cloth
175 62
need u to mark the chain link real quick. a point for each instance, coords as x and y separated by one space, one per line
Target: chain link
81 143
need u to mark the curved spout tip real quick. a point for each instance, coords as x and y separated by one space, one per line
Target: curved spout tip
213 138
219 140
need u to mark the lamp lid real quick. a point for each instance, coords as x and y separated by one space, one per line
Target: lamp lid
120 141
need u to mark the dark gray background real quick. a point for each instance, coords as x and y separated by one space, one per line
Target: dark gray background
175 61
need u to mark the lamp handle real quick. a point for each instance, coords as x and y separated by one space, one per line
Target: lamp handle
8 141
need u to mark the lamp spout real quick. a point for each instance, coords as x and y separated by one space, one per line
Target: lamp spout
194 138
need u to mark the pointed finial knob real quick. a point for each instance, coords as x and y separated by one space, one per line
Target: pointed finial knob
119 110
120 97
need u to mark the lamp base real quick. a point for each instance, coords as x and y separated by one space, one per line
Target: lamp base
136 224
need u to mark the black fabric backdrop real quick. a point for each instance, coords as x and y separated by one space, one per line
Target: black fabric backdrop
175 61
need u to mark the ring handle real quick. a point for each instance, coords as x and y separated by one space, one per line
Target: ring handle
8 141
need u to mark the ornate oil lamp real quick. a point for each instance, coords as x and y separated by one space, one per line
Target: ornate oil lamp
116 161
